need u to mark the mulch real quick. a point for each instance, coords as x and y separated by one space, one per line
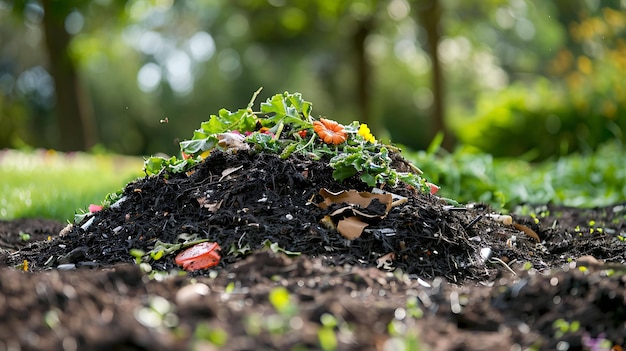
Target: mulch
459 279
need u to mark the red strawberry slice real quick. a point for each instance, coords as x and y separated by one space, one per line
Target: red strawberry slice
200 256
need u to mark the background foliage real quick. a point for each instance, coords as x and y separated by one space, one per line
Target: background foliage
520 77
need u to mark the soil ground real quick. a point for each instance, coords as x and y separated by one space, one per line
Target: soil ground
458 279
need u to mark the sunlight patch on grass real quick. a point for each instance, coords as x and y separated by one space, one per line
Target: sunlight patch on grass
49 184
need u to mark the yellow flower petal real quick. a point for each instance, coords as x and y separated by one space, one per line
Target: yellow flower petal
365 132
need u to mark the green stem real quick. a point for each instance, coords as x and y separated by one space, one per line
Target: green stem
278 131
307 144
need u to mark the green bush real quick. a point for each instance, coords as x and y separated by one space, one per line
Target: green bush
578 179
580 111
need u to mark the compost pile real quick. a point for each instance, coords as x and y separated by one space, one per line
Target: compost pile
277 230
246 201
426 272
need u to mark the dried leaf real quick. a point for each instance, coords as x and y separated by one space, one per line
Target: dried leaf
351 227
229 171
386 260
211 206
353 197
397 199
349 211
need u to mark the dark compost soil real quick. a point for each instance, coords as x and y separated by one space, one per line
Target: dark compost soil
459 280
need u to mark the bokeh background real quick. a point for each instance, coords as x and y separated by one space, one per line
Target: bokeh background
518 78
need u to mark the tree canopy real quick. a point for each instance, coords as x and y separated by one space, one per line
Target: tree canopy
508 77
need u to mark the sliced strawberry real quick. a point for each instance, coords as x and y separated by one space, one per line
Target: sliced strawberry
433 188
200 256
94 208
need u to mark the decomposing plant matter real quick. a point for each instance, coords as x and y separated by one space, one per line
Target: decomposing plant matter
284 125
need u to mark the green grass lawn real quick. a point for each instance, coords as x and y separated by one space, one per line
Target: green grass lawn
56 185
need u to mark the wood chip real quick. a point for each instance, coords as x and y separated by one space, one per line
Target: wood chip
531 233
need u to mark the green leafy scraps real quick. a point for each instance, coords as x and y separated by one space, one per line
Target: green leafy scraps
372 162
284 126
162 249
275 248
156 165
239 251
287 109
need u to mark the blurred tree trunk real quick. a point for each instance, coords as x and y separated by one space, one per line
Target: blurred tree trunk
363 71
429 15
74 119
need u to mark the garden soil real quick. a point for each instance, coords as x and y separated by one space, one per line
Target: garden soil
424 274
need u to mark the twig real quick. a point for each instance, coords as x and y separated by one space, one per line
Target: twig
471 224
495 259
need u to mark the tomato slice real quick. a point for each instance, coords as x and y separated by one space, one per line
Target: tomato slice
200 256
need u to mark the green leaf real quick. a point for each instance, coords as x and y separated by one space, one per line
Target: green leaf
357 161
178 166
156 255
214 125
242 120
265 142
225 121
276 248
276 105
368 179
279 297
239 251
191 147
288 150
301 106
411 179
327 338
215 336
287 108
112 198
161 248
344 172
154 165
435 144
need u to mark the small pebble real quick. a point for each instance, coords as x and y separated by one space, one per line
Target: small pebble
588 261
192 293
485 253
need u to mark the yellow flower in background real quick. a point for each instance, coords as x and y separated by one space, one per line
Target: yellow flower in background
365 132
